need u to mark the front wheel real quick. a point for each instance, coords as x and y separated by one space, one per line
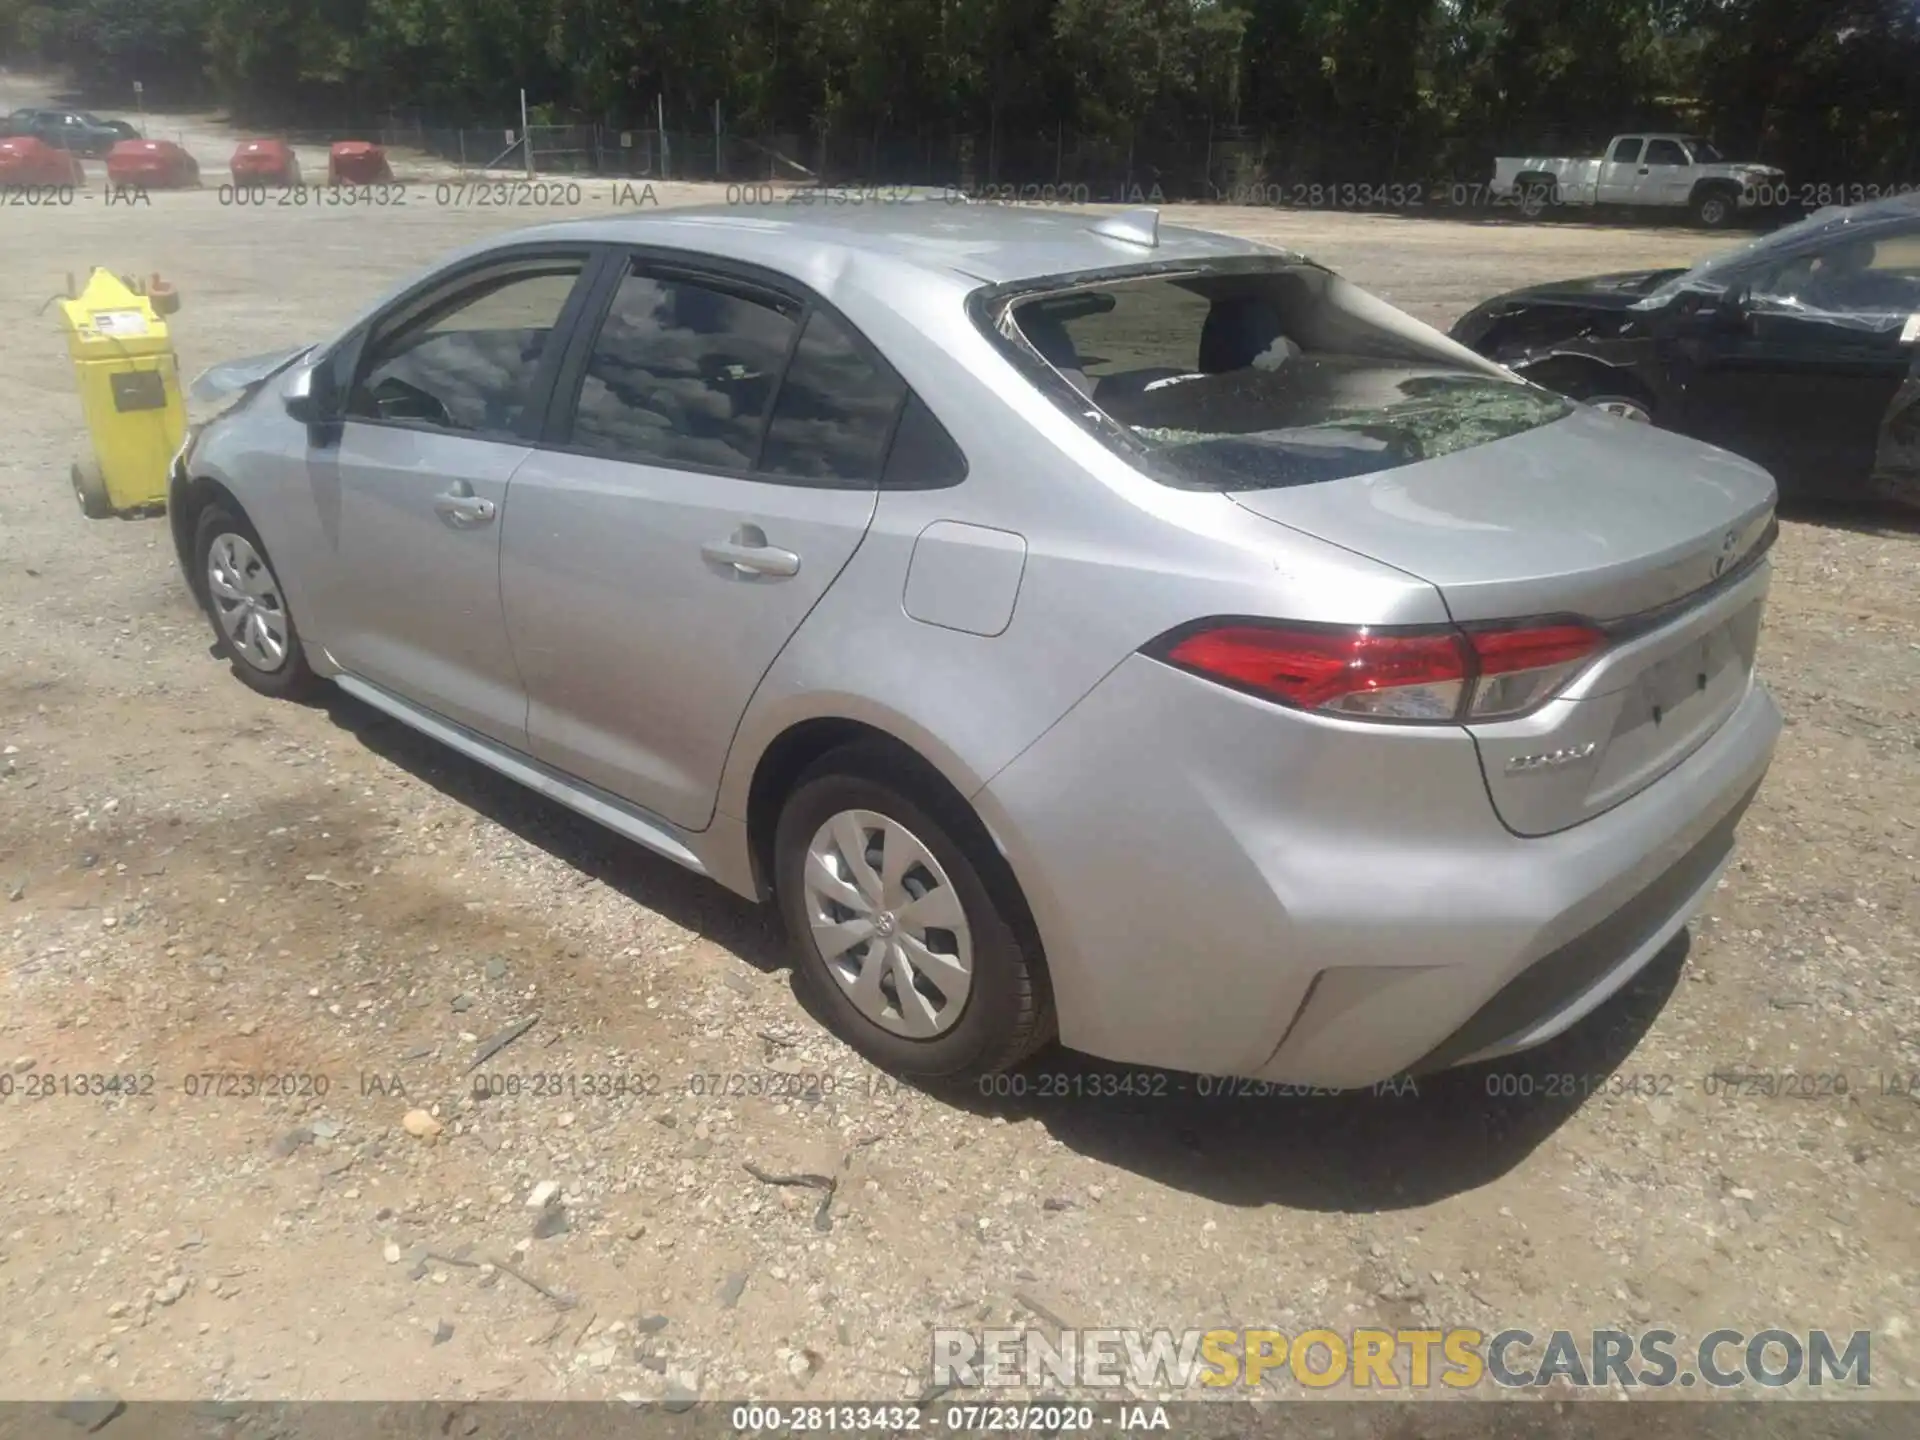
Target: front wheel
1627 407
1714 209
897 927
248 606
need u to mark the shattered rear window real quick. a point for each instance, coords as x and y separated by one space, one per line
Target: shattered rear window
1256 379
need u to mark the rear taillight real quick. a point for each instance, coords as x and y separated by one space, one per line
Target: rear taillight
1437 675
1521 669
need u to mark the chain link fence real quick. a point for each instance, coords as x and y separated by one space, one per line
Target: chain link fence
1214 163
1382 167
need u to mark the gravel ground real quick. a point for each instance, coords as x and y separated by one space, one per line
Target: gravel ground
194 879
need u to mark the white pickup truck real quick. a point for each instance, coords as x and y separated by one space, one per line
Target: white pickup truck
1673 171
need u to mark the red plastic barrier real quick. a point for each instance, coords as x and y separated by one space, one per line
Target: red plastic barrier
25 160
153 164
357 162
264 162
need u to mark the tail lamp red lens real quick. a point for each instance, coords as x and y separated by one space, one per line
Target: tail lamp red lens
1436 675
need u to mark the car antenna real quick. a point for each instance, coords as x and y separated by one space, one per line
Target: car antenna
1138 226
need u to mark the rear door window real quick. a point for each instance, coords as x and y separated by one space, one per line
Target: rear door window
835 410
1665 152
1251 378
726 372
1626 152
683 372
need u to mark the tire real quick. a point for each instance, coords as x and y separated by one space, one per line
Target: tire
1621 403
1591 386
1714 209
1536 199
90 489
279 669
1004 1010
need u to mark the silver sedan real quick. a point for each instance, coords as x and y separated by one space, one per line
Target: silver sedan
1077 626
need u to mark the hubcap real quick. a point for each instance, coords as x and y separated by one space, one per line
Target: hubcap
888 923
246 602
1626 409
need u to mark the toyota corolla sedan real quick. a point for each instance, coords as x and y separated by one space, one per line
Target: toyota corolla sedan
1075 625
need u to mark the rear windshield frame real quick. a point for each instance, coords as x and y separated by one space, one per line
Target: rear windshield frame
990 306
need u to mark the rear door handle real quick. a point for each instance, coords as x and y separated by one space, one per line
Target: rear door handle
463 509
749 554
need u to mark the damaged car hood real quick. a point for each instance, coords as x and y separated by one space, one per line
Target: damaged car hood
233 377
1599 292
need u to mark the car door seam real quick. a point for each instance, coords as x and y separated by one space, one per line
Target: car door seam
740 719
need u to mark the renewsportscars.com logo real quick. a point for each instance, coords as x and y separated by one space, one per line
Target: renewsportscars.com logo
1167 1361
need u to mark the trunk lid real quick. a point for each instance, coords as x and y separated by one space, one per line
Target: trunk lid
1591 516
1657 538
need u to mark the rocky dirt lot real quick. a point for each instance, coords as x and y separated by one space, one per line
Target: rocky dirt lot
195 880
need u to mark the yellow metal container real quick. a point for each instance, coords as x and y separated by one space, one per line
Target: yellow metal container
129 393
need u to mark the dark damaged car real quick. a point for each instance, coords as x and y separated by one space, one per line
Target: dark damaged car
1799 350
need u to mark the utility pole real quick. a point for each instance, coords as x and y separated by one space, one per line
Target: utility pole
526 135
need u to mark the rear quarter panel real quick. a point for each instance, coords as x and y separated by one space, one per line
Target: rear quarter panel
1113 559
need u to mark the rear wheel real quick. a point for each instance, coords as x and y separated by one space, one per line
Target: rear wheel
902 923
1536 198
90 489
248 606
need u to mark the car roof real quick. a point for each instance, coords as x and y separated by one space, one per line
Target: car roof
988 243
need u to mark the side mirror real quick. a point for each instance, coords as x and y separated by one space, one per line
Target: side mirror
1735 310
308 395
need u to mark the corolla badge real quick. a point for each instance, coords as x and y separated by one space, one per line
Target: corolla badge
1551 759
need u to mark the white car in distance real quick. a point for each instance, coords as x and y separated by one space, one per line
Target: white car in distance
1645 170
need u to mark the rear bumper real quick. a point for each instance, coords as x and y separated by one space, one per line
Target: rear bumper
1229 888
155 173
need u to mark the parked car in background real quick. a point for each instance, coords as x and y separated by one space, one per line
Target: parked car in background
74 130
1057 617
264 162
156 164
1671 172
358 162
1799 350
25 161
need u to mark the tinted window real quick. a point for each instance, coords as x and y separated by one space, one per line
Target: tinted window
1246 379
1665 152
835 409
1865 276
923 456
683 373
1743 261
468 363
1627 151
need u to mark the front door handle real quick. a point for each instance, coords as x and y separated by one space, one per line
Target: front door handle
749 554
463 509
